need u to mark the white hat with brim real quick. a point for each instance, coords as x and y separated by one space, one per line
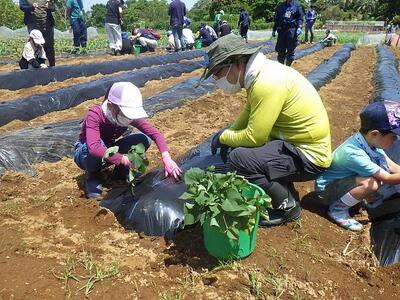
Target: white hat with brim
129 100
37 37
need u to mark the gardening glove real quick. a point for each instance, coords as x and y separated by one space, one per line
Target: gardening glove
215 143
299 31
273 33
125 162
43 66
170 166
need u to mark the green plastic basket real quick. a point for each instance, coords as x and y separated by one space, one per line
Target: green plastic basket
197 44
220 246
137 49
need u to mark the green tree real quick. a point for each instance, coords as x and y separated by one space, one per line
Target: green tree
60 16
10 15
151 13
97 15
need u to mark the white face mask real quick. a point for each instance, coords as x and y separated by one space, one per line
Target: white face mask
228 87
119 120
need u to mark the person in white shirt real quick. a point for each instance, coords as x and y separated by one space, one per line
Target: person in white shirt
329 39
188 37
171 42
212 32
33 55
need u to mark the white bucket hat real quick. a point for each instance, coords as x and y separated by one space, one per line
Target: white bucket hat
37 36
128 98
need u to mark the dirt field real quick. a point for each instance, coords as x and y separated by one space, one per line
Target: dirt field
52 238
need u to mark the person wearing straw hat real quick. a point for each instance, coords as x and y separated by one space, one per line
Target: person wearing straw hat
33 55
103 126
282 134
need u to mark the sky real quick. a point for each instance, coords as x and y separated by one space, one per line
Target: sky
88 3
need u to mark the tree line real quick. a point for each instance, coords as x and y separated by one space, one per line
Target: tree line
153 13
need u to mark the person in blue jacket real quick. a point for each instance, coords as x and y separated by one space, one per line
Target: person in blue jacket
311 15
288 24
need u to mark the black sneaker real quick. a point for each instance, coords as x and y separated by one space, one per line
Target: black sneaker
279 216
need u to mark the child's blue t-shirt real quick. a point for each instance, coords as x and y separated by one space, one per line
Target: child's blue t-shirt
349 159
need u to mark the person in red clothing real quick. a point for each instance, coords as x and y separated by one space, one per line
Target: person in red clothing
102 128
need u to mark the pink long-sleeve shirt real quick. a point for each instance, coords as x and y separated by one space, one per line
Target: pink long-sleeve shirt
96 128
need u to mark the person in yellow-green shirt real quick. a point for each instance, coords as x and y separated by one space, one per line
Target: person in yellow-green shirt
282 134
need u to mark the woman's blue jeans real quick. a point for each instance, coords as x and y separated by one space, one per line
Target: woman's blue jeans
92 164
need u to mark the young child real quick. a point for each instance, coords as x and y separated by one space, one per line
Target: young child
329 39
33 55
359 165
102 127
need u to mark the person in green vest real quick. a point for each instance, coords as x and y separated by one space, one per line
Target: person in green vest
218 21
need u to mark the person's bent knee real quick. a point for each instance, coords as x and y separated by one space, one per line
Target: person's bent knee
369 184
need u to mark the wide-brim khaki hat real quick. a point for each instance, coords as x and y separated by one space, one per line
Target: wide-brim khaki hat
224 51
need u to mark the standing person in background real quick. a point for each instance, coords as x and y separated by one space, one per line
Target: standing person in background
75 14
38 15
311 15
177 12
244 23
217 21
225 29
113 25
288 23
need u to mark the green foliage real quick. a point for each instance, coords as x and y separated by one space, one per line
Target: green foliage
10 15
220 199
396 20
97 16
142 13
60 17
136 156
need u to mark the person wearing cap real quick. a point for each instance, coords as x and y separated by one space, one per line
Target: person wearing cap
33 55
103 126
281 135
359 165
329 39
78 25
188 37
244 23
38 14
225 29
288 24
145 38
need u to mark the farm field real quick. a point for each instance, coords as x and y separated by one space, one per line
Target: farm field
57 244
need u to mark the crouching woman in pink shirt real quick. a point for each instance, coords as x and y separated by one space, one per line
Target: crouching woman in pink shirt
103 126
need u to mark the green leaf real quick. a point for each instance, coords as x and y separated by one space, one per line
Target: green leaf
110 152
231 205
189 219
213 222
193 176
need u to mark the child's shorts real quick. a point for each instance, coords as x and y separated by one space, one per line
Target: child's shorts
336 189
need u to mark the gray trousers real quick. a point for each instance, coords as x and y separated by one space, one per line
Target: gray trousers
276 161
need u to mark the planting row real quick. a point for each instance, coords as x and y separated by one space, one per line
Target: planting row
386 216
28 78
43 148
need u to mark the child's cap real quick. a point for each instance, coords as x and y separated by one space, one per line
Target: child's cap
128 98
37 36
381 115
